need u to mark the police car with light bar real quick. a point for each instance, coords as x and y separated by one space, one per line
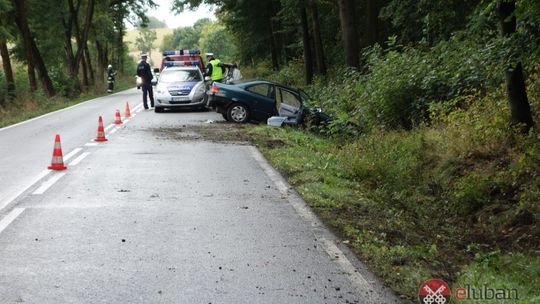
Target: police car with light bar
180 85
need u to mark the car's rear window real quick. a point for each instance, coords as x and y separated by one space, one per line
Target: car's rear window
180 75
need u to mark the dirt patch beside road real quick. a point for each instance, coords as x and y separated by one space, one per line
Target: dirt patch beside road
218 132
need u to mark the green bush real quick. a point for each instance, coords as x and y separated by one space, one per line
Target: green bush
399 86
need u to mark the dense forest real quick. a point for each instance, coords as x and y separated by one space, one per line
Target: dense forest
430 165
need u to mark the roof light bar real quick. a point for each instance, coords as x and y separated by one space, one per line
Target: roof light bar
181 63
182 52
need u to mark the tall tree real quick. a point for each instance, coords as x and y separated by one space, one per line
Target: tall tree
33 56
8 71
372 21
5 9
349 32
515 82
317 38
308 58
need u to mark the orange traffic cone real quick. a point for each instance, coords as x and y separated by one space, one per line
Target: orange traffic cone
100 131
128 112
118 119
57 162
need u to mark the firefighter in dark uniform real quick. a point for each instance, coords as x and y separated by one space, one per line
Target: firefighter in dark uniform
110 79
144 71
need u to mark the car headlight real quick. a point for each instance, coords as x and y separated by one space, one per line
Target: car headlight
161 90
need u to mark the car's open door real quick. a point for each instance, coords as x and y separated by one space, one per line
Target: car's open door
289 105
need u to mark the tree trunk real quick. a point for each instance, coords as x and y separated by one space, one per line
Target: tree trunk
515 82
68 47
82 36
8 71
308 58
32 81
102 61
91 76
120 50
84 73
42 72
273 45
317 40
517 96
32 52
372 28
348 32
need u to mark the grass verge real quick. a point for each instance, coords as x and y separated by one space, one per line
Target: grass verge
456 200
30 105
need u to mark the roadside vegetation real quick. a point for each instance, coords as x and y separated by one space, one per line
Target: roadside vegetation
33 104
55 53
425 170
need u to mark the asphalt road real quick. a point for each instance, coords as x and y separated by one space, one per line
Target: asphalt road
174 208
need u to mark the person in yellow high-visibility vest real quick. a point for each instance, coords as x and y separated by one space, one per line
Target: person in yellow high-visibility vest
214 69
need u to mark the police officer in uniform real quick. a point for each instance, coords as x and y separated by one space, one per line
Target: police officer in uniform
144 71
215 69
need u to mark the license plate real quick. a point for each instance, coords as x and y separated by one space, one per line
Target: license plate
179 98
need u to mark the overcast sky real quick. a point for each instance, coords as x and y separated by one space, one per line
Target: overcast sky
187 18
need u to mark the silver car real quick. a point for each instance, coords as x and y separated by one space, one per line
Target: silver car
180 87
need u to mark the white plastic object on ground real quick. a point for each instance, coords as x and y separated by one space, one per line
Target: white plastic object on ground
276 121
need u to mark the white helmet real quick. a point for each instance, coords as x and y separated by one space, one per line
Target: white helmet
109 67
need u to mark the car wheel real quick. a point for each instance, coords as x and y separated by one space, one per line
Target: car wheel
158 110
238 113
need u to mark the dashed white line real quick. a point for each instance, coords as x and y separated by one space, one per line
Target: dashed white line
77 160
72 153
91 144
48 183
108 127
13 196
10 218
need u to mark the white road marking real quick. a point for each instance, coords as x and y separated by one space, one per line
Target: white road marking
48 183
91 144
10 218
72 153
126 120
113 131
77 160
12 197
108 127
58 111
305 212
338 256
